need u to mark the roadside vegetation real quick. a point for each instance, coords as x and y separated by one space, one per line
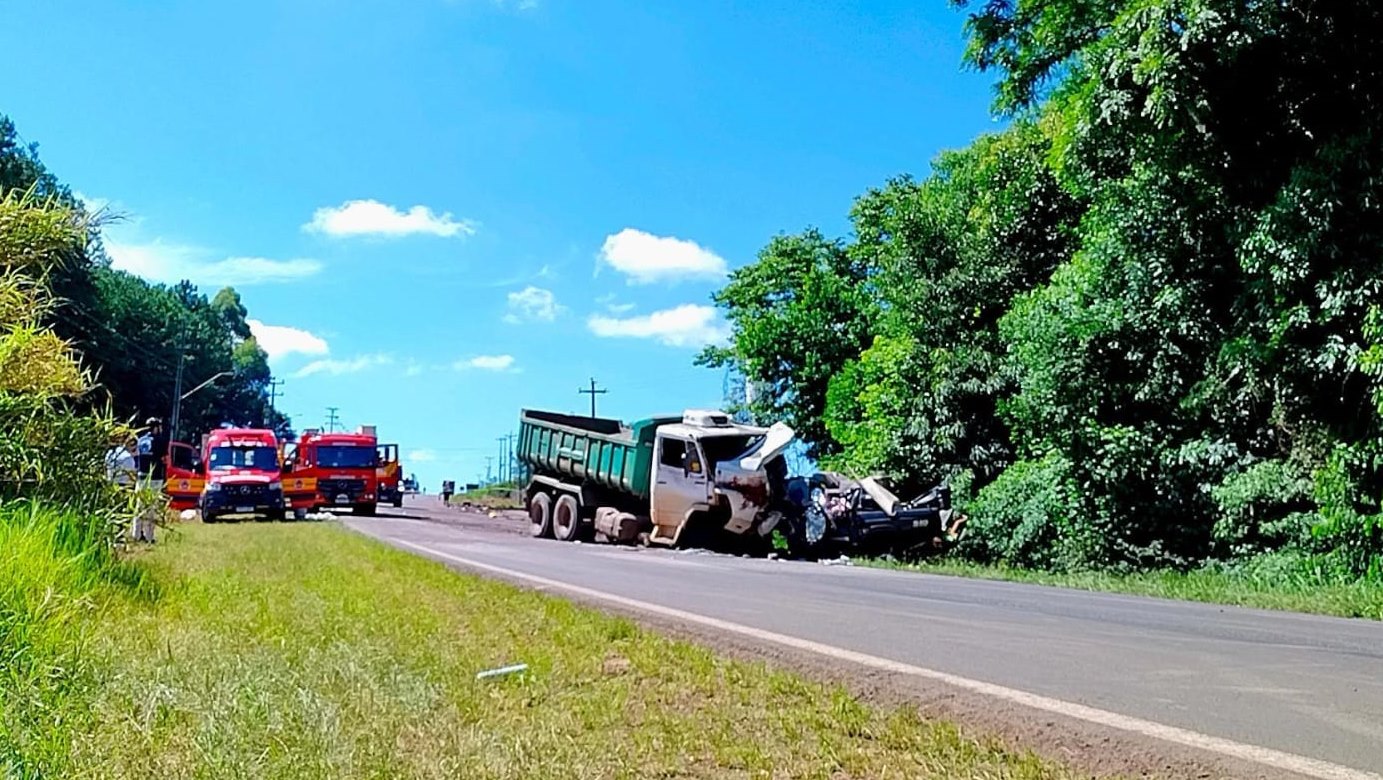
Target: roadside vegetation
68 323
493 497
303 650
1139 330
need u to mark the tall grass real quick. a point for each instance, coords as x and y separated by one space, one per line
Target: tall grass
56 568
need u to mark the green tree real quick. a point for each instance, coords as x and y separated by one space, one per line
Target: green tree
800 313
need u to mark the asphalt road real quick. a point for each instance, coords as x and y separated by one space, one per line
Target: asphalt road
1304 685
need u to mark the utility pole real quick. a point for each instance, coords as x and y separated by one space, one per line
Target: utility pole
512 460
332 419
593 392
177 399
489 464
502 459
274 392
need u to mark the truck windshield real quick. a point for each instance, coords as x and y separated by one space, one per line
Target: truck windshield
346 457
228 457
722 448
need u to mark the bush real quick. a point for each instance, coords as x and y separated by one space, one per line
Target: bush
1029 517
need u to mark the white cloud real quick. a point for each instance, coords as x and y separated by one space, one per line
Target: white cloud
339 367
92 205
158 261
533 304
421 456
414 368
688 325
646 258
372 218
280 340
486 363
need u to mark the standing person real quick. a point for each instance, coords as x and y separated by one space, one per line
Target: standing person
153 454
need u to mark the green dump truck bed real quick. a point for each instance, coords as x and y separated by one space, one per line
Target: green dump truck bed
591 450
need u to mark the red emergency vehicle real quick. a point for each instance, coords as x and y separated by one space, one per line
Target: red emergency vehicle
342 467
184 480
242 474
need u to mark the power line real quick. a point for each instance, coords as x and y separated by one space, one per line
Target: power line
593 392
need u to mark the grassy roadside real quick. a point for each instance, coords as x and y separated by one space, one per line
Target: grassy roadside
302 650
1264 589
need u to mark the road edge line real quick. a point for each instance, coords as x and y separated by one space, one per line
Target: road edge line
1277 759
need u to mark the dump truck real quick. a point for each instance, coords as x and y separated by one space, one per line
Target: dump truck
701 479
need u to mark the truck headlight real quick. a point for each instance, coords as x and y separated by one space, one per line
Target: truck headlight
276 485
213 487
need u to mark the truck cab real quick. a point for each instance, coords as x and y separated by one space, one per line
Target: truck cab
342 466
700 468
241 473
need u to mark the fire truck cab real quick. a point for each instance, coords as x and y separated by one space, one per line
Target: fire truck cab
342 467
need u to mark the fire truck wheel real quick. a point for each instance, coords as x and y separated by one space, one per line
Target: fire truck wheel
398 502
275 515
366 510
566 518
208 517
540 515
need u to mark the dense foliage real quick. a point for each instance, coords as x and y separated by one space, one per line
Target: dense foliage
130 332
1140 327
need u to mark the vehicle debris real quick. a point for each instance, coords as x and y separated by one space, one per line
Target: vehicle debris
502 671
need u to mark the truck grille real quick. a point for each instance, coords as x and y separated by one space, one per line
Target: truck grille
331 488
246 491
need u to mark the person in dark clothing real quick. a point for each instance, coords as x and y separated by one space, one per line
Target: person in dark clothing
153 450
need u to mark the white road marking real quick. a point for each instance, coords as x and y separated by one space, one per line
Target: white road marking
1277 759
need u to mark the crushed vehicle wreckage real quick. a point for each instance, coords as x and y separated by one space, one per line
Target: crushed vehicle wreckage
703 480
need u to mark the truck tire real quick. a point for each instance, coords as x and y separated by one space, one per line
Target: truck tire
365 510
398 501
274 515
540 515
566 518
208 517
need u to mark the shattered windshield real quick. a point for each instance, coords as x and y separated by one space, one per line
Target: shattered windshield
723 448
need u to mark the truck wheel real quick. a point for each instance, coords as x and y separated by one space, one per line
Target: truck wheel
208 517
566 518
275 515
398 502
540 515
366 510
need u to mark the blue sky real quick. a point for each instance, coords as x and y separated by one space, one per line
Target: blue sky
441 211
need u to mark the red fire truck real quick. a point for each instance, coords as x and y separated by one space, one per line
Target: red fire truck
342 467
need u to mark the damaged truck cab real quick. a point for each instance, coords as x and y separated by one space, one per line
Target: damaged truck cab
655 480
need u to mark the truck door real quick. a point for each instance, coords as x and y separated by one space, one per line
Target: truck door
184 484
679 485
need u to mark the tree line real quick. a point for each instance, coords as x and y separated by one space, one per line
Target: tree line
1139 327
130 334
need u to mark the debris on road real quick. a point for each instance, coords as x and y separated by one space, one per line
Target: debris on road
502 671
843 560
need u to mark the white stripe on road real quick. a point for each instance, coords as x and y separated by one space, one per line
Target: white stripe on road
1277 759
